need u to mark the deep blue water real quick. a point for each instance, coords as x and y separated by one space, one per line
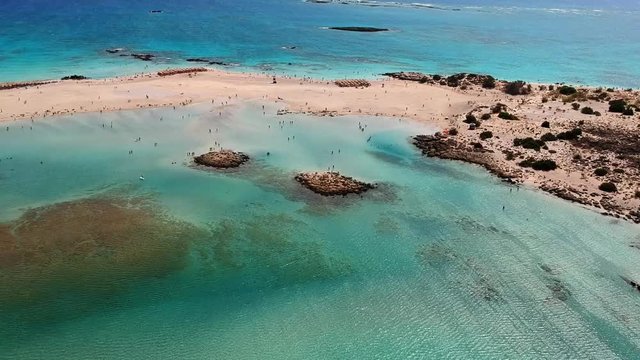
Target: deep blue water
591 42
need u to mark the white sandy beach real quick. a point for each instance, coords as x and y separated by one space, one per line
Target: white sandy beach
437 105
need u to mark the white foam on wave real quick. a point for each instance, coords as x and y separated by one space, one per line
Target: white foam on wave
493 9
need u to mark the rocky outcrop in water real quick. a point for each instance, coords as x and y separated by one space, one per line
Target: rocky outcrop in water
455 80
143 57
208 61
332 183
448 148
358 28
407 76
222 159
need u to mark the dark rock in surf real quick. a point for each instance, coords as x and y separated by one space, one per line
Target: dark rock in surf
222 159
143 57
74 77
358 28
332 183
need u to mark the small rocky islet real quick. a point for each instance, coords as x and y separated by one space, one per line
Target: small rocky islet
358 28
332 183
222 159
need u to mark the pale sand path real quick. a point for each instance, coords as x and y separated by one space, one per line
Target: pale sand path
67 97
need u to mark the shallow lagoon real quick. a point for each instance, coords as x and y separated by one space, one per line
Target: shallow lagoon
247 264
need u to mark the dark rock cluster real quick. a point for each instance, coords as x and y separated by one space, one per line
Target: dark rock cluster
74 77
358 28
448 148
222 159
455 80
332 183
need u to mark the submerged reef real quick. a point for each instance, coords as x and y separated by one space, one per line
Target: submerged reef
460 271
78 257
94 247
270 250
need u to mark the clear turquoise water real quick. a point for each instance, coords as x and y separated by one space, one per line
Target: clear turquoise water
588 42
426 266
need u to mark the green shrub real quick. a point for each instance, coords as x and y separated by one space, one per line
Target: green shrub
509 155
498 107
597 113
470 119
637 194
575 106
528 143
489 82
539 165
453 131
486 116
628 111
567 90
454 80
608 187
545 124
506 116
587 110
486 135
617 106
601 172
570 135
548 137
517 88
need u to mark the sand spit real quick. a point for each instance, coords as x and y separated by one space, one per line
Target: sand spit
516 130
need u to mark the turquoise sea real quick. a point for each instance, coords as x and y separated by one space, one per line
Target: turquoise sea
441 260
199 264
594 42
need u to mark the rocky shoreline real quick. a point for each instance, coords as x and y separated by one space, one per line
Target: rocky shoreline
23 84
447 148
222 159
332 183
579 144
